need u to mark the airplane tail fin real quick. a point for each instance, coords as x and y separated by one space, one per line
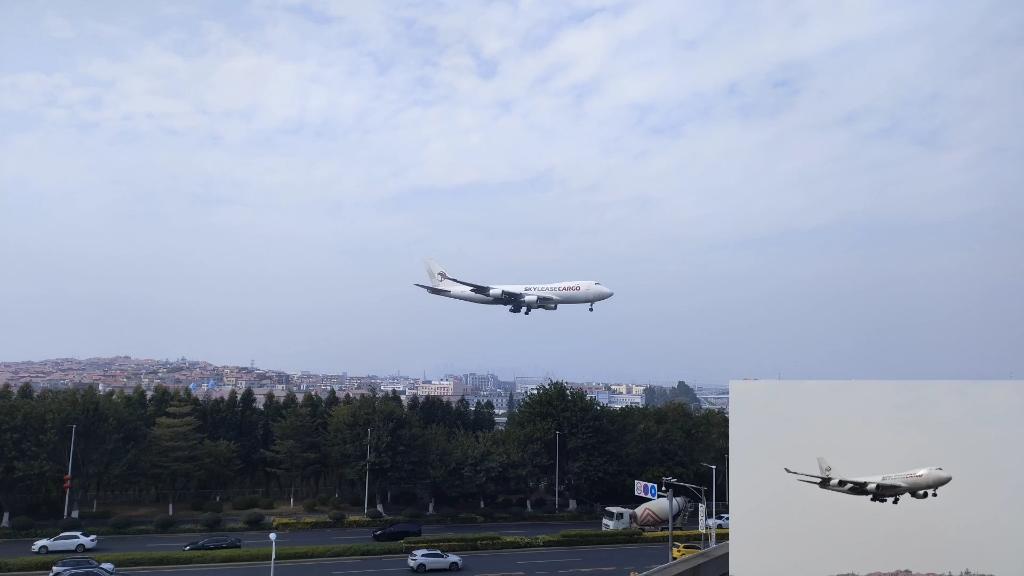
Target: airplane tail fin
438 277
826 469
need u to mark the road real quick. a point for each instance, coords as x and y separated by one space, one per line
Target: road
174 542
604 560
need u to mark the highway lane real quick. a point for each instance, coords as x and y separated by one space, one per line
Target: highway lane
603 561
327 537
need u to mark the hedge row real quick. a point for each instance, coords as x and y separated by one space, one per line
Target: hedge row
297 524
449 542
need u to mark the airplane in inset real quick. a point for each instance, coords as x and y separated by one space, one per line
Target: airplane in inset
917 483
519 298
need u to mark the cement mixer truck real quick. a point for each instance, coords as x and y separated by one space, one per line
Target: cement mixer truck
650 516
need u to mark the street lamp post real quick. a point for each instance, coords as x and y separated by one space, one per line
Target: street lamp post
714 529
366 499
273 551
557 435
67 494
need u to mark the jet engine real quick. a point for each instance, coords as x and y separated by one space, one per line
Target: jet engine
920 494
496 293
531 301
872 488
550 306
837 483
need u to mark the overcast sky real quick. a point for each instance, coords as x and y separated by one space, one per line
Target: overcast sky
806 189
972 430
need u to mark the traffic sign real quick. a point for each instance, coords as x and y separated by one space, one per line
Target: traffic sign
703 518
645 489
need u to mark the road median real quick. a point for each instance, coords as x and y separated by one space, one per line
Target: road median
448 542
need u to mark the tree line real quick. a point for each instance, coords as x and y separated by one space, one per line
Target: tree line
172 444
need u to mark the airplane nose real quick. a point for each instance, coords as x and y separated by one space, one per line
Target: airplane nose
608 293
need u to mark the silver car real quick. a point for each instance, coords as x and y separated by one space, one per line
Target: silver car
431 559
78 563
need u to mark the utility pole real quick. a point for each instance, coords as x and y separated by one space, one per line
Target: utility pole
557 434
67 493
671 522
714 528
366 500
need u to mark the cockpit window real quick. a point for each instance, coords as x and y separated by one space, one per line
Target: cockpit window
597 283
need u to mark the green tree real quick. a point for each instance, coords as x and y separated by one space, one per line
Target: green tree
172 451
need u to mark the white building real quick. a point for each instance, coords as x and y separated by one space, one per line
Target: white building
441 388
620 400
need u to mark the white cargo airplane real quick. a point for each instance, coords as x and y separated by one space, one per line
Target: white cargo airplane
917 483
519 298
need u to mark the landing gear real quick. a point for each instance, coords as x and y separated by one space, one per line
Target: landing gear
935 494
896 500
515 309
591 306
526 312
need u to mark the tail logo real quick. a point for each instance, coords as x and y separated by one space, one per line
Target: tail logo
828 470
442 275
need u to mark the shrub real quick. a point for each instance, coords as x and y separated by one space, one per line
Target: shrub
355 501
515 511
335 503
448 513
163 522
69 524
521 502
485 513
539 502
213 506
253 519
119 523
210 521
336 516
245 502
322 499
505 503
266 503
197 504
549 509
309 505
413 513
374 513
23 524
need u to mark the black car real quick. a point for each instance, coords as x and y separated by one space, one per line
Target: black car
397 531
95 571
213 543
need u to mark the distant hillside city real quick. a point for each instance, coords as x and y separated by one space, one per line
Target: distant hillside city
911 573
206 379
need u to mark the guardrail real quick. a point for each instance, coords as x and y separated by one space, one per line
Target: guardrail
711 562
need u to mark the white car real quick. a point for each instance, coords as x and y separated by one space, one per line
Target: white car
65 542
423 560
720 521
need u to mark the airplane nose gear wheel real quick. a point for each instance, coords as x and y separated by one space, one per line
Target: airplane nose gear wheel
935 494
591 307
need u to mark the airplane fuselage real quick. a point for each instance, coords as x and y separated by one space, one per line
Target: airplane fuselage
915 482
583 292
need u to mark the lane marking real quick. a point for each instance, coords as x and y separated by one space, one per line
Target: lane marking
375 570
558 560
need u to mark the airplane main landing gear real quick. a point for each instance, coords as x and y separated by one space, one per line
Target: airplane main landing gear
896 500
515 309
526 312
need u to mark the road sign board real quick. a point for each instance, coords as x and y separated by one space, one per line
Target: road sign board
703 518
645 489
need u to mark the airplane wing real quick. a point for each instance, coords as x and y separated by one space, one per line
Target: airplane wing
857 483
485 290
